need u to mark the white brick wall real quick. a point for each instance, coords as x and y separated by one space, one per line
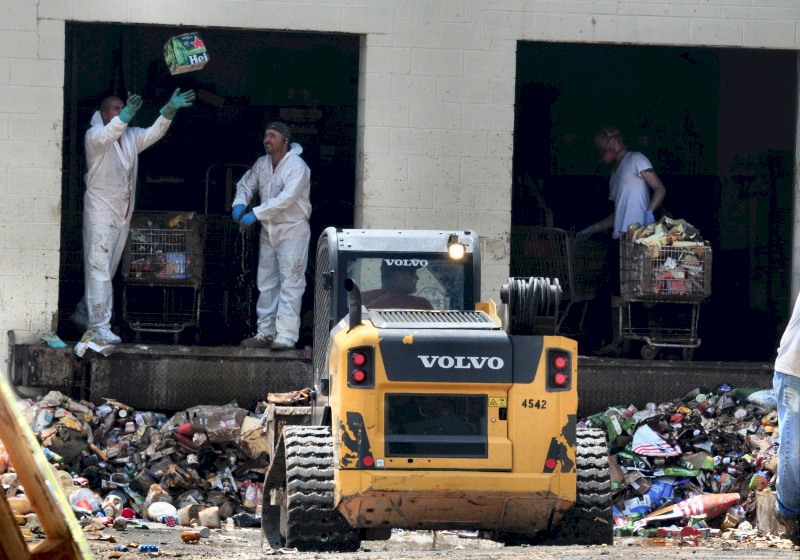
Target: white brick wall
436 97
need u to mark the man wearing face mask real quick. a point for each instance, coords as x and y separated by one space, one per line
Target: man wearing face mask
632 180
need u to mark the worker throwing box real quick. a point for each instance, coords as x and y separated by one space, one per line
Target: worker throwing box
283 182
112 159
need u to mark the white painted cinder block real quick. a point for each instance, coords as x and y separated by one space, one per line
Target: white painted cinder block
375 139
490 117
488 170
55 9
770 34
35 127
34 181
51 46
386 167
383 218
319 17
608 29
262 15
5 72
36 72
49 101
19 44
98 10
435 115
436 169
411 141
375 193
490 64
467 143
561 27
16 207
18 261
466 36
409 195
489 224
432 219
366 19
417 34
18 15
387 60
18 153
33 235
48 156
437 62
386 113
458 196
462 90
664 30
717 32
414 88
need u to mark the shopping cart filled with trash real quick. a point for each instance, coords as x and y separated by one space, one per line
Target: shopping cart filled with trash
162 272
576 262
670 273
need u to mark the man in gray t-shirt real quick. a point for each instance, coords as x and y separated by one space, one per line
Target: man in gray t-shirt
632 180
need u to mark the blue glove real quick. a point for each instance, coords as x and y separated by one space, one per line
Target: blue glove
238 212
249 219
585 232
648 217
177 101
134 104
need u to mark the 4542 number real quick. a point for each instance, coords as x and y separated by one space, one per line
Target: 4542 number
534 403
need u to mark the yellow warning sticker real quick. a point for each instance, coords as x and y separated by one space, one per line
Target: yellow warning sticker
497 401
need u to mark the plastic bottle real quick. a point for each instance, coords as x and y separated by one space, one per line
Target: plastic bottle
112 505
83 494
148 548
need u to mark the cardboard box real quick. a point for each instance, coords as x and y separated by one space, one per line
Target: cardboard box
185 53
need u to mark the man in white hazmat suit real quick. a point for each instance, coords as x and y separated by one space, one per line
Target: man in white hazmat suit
112 158
283 182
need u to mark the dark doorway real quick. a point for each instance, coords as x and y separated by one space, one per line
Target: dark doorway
307 80
722 143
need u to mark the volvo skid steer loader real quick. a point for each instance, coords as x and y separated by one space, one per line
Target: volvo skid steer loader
435 417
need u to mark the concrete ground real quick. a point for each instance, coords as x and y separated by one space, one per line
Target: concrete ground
241 543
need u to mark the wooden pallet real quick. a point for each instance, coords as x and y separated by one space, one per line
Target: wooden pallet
64 539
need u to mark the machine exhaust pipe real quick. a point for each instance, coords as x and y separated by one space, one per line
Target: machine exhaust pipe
353 303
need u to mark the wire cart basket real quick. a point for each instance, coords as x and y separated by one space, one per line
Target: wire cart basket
678 274
557 253
162 272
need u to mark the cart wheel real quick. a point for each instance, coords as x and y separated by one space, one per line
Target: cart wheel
649 352
688 354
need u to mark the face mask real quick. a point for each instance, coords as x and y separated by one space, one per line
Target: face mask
608 156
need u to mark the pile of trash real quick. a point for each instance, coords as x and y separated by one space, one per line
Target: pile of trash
693 466
203 466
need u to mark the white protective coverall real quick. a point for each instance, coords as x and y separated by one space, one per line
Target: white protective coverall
284 210
112 158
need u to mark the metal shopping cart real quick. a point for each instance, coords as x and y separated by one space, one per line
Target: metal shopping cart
557 253
676 275
162 272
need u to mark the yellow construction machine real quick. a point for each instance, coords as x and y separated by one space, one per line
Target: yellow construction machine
443 416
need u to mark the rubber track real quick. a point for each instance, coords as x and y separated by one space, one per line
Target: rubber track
312 522
593 507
